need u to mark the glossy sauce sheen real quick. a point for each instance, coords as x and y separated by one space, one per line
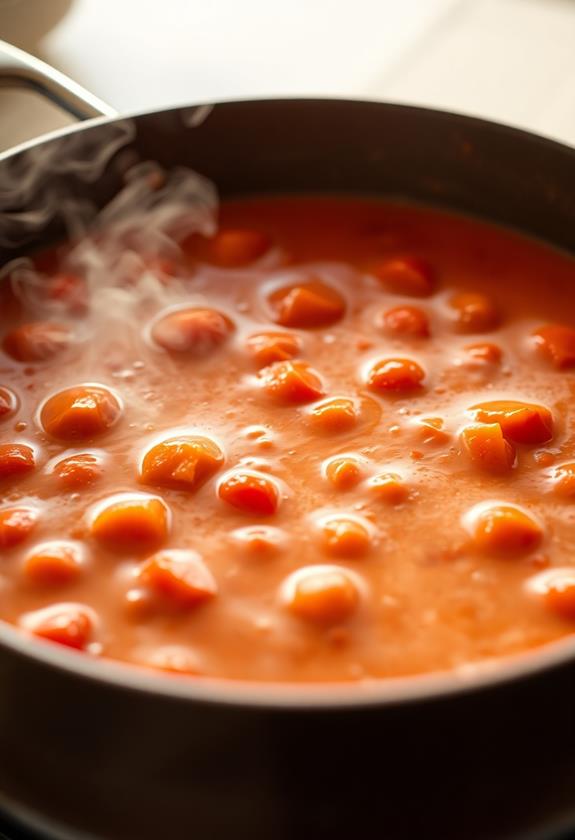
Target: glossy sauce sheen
363 506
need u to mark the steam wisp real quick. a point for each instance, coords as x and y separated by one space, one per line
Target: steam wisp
147 219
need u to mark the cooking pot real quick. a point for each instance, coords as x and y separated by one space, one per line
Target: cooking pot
95 749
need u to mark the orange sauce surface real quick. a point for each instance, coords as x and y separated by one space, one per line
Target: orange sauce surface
333 442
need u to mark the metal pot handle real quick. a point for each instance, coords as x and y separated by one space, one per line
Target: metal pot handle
19 69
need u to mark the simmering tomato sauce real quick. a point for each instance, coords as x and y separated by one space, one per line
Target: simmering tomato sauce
332 442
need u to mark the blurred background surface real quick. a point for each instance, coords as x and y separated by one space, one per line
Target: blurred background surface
509 60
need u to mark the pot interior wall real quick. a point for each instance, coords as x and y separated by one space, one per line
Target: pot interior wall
339 146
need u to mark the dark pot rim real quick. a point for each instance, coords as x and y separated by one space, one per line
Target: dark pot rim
204 108
374 692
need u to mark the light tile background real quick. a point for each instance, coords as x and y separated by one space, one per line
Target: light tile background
510 60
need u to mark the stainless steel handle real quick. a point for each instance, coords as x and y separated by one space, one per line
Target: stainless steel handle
18 68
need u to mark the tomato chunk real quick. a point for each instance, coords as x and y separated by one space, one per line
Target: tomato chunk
183 463
505 529
322 594
526 423
180 576
195 332
407 321
16 525
430 431
268 347
407 276
80 413
335 415
259 541
291 382
557 590
131 523
557 343
250 492
8 403
307 305
484 352
564 481
487 447
38 341
235 248
78 471
69 291
344 472
345 537
53 564
16 460
396 376
71 625
389 488
474 312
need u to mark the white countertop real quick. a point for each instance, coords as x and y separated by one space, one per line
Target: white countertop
511 60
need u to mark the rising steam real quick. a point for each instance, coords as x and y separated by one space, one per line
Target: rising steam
150 214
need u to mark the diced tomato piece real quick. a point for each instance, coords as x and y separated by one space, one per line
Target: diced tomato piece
195 332
526 423
71 625
132 523
16 525
505 529
322 594
53 564
344 472
291 382
80 413
429 430
557 343
389 488
406 276
259 540
268 347
78 471
139 604
16 460
235 248
183 463
180 576
474 312
307 305
487 448
396 376
334 415
544 458
345 537
38 341
407 321
557 590
69 290
485 353
564 481
8 403
250 492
